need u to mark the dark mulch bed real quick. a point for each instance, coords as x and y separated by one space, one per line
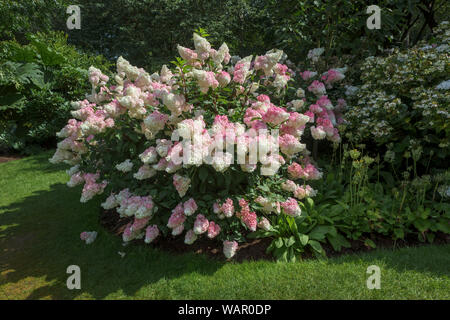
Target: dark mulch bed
255 249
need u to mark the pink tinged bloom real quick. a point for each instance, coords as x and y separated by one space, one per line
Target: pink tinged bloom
227 208
88 236
306 75
128 233
201 224
314 108
289 186
251 116
190 207
177 218
280 69
334 75
263 98
161 165
310 114
75 179
249 218
181 184
229 248
275 116
206 80
241 71
213 230
216 208
149 156
91 187
290 145
156 121
138 224
300 193
318 133
224 78
178 230
324 102
190 237
151 233
264 224
317 87
295 171
187 54
163 146
243 203
291 207
335 137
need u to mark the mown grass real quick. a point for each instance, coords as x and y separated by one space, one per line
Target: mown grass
40 223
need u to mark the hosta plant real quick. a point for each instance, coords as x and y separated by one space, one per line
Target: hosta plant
211 147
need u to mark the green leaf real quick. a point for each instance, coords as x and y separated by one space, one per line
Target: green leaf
370 243
316 246
289 241
278 242
203 173
319 232
303 239
338 241
399 233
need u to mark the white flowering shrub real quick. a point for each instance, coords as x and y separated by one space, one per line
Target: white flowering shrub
404 102
209 148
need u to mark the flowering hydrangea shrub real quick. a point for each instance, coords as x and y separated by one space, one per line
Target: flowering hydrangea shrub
211 148
404 102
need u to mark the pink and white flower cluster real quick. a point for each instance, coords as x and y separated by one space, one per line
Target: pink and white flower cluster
162 127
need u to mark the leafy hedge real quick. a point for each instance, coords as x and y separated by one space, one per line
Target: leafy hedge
403 105
37 81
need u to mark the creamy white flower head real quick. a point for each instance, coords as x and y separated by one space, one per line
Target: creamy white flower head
201 45
274 56
166 74
173 102
155 76
315 53
110 202
300 93
298 104
73 170
247 60
280 81
444 85
351 90
125 166
219 56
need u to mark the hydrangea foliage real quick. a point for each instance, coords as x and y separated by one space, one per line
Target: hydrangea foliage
213 147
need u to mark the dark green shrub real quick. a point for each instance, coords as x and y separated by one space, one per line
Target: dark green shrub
37 82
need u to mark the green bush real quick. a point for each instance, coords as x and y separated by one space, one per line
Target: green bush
37 82
403 106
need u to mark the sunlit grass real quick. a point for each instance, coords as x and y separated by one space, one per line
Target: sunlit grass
40 223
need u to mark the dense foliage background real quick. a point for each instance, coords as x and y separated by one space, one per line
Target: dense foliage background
145 31
389 176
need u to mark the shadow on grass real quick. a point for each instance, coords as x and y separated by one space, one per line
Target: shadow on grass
426 258
40 239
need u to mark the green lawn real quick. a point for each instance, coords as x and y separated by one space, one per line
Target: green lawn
40 223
